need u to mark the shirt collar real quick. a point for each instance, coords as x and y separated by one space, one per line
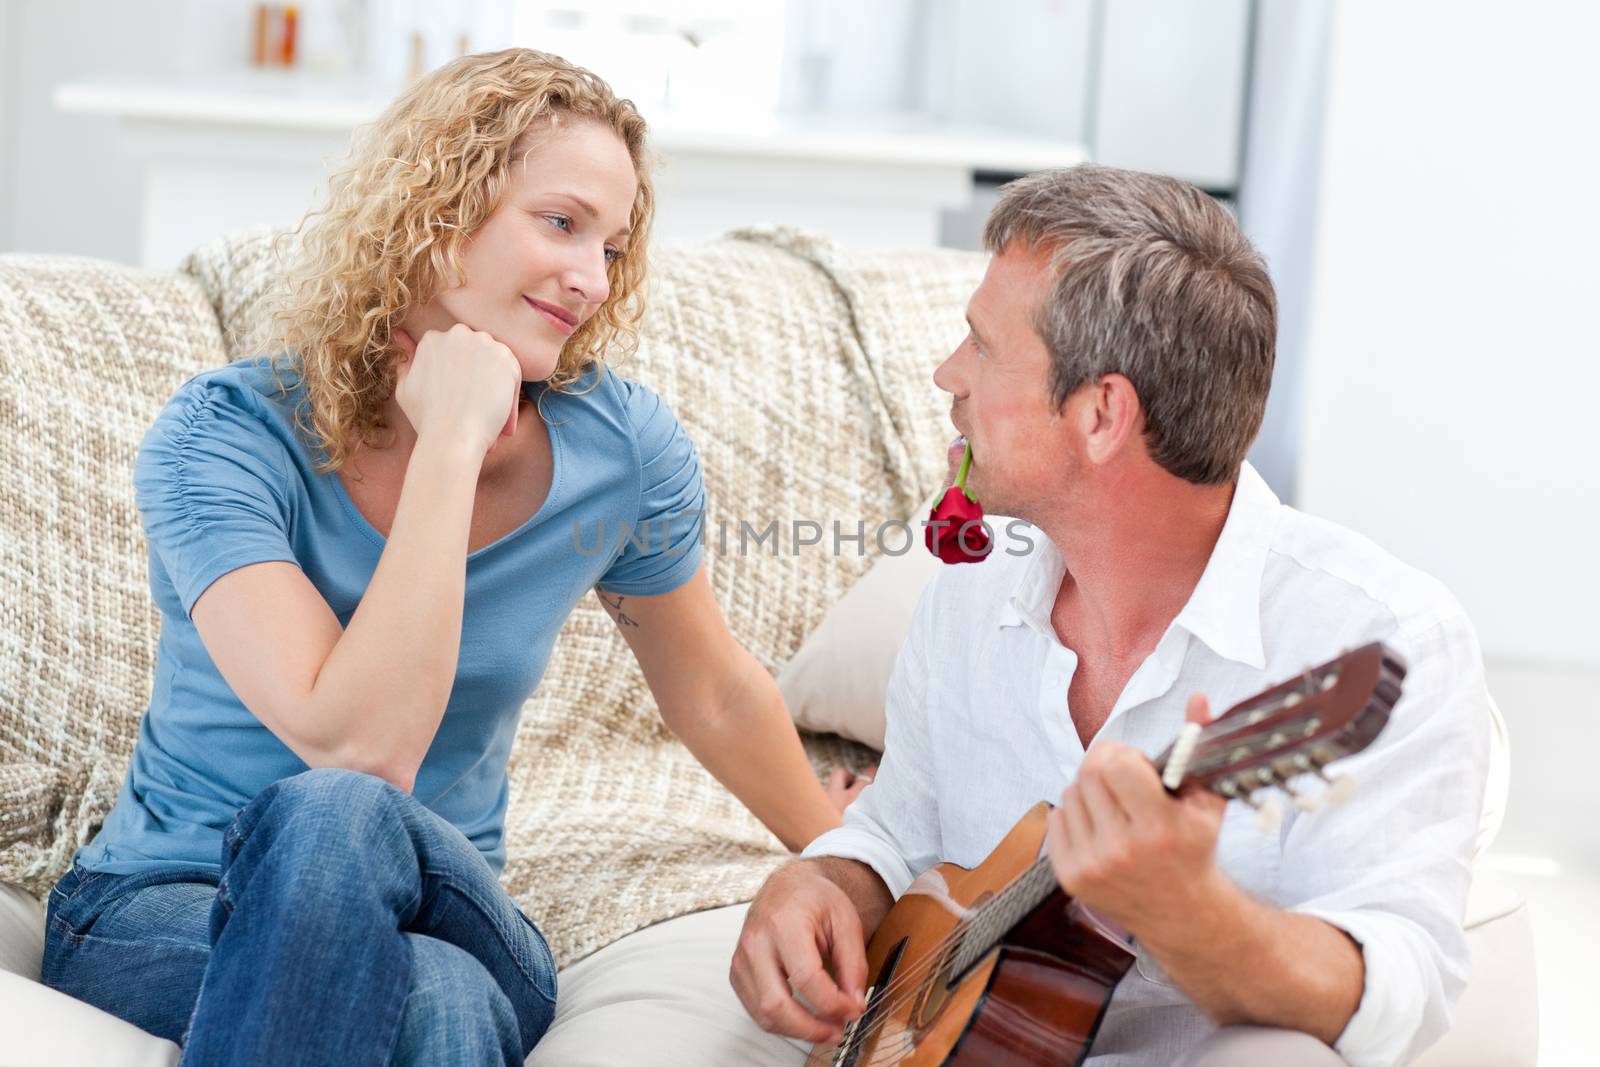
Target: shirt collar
1224 611
1033 597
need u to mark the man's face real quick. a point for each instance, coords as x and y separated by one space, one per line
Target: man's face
999 382
536 268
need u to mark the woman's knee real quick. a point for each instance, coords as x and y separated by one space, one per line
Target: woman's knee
454 1011
333 787
327 832
325 808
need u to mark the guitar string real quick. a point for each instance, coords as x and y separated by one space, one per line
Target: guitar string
889 999
896 995
893 996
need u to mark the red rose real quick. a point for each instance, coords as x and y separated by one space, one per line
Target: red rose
954 531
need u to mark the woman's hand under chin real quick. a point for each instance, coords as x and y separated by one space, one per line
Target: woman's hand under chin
454 381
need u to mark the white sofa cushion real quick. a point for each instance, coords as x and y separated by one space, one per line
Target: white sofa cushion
44 1028
837 681
1497 1018
661 997
21 932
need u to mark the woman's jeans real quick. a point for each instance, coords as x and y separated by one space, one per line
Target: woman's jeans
348 925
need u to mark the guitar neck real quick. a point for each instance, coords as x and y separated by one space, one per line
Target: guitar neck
991 922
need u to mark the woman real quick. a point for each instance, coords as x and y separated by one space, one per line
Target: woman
363 553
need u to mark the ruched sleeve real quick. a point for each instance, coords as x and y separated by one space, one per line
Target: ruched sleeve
211 485
661 549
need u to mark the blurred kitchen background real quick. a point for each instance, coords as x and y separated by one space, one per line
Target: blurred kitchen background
1416 172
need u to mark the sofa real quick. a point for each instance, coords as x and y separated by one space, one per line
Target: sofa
803 373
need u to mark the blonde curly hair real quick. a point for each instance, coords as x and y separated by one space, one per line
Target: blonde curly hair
418 184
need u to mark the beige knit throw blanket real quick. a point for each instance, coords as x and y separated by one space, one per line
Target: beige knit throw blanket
803 374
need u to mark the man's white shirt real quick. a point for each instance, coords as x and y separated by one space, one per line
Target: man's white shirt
979 730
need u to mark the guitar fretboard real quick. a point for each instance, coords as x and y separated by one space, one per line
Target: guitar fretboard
1007 908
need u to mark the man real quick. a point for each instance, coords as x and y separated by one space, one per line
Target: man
1116 372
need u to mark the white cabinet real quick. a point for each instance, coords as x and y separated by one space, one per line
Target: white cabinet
224 155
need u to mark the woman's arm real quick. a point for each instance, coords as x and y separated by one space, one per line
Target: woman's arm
370 696
724 706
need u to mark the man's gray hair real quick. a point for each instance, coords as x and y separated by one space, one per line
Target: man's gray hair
1154 280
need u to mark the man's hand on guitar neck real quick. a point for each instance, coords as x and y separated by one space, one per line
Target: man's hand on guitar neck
804 934
1125 848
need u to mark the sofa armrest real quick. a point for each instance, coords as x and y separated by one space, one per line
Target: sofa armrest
1497 1018
43 1027
21 932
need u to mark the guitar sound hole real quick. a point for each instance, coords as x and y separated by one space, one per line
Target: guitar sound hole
935 991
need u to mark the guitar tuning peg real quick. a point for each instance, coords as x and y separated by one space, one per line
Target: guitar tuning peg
1269 814
1182 752
1302 802
1339 790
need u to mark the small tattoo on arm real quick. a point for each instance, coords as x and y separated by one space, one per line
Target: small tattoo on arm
616 609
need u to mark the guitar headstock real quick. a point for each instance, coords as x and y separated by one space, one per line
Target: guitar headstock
1295 728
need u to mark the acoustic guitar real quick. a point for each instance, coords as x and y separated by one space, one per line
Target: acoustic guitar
996 965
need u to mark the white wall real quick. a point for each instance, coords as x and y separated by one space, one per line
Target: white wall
66 186
1453 365
1170 88
1154 85
844 57
9 51
1278 203
71 188
1045 49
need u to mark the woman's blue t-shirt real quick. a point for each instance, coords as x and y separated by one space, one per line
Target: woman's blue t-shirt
223 480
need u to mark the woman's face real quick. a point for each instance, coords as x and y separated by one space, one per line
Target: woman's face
536 268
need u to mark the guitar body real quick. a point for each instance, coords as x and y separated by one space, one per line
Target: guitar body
1037 998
